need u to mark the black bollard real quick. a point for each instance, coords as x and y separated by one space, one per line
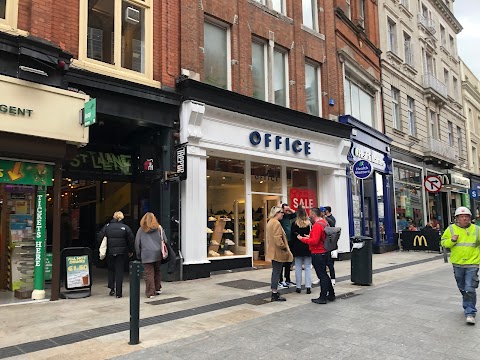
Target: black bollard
135 268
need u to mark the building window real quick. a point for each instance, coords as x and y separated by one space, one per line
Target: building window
359 103
452 45
450 133
362 13
470 120
259 71
9 13
348 10
443 36
216 55
313 89
280 76
396 118
279 6
433 125
392 36
310 14
474 159
460 141
3 9
117 33
446 77
405 4
455 87
408 49
411 116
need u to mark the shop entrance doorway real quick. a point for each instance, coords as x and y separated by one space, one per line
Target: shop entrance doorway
261 203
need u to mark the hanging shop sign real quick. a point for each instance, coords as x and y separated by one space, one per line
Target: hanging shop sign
303 197
277 142
78 272
360 152
466 200
39 261
362 169
25 173
181 159
432 183
90 113
459 181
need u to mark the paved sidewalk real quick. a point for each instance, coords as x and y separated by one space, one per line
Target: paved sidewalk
223 306
416 318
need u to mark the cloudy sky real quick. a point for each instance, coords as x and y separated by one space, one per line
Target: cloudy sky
468 13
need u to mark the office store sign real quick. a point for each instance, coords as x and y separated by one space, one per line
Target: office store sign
280 143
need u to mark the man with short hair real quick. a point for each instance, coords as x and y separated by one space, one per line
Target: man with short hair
315 241
288 218
463 241
330 218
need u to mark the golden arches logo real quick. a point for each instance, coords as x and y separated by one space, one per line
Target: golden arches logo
421 239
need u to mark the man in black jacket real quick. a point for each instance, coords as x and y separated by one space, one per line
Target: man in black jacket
120 244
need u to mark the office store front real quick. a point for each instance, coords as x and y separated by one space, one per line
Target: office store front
238 167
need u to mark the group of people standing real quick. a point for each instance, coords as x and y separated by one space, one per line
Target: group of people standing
149 246
296 236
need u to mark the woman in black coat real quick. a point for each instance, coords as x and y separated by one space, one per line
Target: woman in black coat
300 250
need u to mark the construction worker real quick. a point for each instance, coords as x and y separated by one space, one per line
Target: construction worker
463 241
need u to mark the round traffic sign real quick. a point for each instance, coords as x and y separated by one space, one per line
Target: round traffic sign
432 183
474 193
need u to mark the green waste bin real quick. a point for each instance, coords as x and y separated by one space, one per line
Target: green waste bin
361 263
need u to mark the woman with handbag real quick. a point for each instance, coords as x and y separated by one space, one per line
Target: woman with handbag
302 226
151 250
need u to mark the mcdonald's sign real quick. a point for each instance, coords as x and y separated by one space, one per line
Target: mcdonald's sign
421 239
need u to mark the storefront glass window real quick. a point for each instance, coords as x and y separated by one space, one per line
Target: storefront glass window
3 5
266 178
133 37
408 197
226 207
302 188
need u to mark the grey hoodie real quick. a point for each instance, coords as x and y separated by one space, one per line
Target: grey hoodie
148 245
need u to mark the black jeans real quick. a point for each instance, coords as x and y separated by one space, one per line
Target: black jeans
319 262
276 272
116 267
330 266
286 266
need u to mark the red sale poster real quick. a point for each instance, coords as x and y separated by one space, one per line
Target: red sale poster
303 197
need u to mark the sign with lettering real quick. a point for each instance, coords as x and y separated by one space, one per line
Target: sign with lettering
277 142
78 272
25 173
362 169
39 261
181 157
90 113
305 198
98 162
360 152
459 181
15 111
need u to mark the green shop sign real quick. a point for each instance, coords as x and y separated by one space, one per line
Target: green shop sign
25 173
39 264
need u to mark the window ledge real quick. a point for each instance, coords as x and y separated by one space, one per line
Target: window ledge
272 12
398 132
4 27
123 74
454 60
444 50
414 138
406 11
394 58
313 32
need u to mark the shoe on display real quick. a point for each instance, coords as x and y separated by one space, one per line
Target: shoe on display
276 297
470 320
282 285
316 282
228 253
209 231
309 290
229 242
333 282
319 301
227 231
214 242
212 218
213 253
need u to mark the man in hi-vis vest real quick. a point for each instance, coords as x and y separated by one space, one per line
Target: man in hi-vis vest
463 241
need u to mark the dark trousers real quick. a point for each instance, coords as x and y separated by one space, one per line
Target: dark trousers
276 273
116 267
319 262
286 268
331 268
153 278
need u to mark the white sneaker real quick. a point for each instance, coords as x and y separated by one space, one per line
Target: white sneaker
228 253
209 231
213 242
229 242
227 231
213 253
333 282
470 320
316 282
158 292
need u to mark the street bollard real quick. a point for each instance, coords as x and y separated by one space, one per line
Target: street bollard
135 268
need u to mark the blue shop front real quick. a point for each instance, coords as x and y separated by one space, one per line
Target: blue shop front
370 196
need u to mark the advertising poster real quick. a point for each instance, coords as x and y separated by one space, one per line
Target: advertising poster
303 197
78 271
356 206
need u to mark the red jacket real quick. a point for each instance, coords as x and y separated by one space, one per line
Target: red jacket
317 238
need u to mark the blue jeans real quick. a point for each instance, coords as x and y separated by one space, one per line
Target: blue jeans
307 261
467 282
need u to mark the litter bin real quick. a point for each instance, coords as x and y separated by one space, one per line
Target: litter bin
361 263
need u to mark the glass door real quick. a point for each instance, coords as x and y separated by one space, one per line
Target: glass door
261 204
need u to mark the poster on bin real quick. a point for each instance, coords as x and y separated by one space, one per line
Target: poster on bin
303 197
78 272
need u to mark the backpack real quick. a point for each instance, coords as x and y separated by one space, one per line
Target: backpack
332 234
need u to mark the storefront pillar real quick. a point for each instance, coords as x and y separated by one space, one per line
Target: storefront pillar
40 244
194 207
57 197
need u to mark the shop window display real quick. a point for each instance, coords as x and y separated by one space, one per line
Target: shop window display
302 188
226 207
266 178
408 197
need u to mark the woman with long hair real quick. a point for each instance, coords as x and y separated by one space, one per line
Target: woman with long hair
300 250
148 245
277 249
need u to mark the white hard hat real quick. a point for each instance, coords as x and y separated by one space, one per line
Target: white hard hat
462 210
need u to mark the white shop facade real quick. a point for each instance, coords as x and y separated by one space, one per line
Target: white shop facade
237 167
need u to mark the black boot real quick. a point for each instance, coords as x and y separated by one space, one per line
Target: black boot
112 292
319 301
309 290
276 297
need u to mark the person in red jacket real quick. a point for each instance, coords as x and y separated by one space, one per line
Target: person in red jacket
315 241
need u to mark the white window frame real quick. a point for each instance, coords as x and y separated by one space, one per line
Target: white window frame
459 141
392 35
314 15
116 69
351 79
284 7
474 159
451 44
408 55
349 9
450 133
405 4
265 64
227 28
412 131
455 87
287 82
396 112
443 36
434 133
11 16
318 72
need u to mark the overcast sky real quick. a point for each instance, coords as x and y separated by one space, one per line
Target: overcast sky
468 13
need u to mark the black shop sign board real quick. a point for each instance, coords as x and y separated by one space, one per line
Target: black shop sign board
421 240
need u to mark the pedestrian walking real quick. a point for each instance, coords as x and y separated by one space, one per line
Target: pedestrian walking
287 220
330 262
301 252
120 246
315 241
149 245
462 239
277 249
329 217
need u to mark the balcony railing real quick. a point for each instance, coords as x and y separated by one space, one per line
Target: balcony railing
430 81
427 23
438 149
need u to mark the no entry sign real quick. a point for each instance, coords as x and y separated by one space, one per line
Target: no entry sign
432 184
